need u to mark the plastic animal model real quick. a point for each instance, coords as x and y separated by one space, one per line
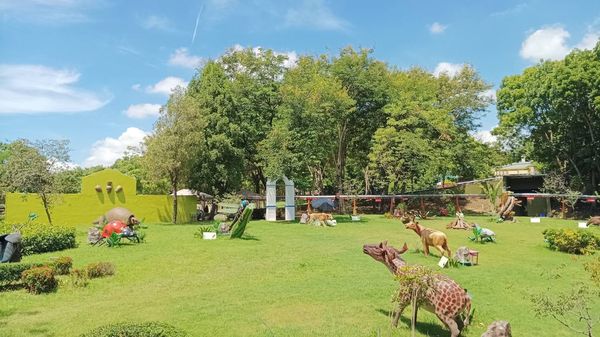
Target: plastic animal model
595 220
498 329
482 234
321 219
430 237
445 298
118 213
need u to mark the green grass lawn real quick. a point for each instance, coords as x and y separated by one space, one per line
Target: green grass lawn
292 280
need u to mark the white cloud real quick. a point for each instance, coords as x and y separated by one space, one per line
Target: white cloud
142 110
485 136
166 85
136 87
511 11
106 151
450 69
490 93
314 14
34 89
437 28
549 43
589 41
182 58
60 166
47 11
156 22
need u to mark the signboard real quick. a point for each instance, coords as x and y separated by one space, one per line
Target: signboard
443 262
535 220
378 200
582 225
530 197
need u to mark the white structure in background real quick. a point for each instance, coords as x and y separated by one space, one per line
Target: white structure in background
290 200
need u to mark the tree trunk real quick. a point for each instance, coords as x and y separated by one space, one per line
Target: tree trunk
46 204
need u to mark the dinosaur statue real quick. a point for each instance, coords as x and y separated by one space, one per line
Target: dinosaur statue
446 299
595 220
430 237
118 213
482 234
507 203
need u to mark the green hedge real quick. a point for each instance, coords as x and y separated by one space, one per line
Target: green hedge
42 238
582 242
39 280
148 329
11 272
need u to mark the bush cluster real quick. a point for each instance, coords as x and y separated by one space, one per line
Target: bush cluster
147 329
79 278
42 238
62 265
100 269
582 242
11 272
39 280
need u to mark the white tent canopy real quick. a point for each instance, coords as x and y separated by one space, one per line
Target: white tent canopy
201 195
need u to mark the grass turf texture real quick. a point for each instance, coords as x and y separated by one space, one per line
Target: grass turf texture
287 279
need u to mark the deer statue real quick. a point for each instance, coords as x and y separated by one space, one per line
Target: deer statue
595 220
429 237
445 298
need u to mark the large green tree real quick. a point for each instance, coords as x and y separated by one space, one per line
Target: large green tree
177 136
551 114
28 168
315 113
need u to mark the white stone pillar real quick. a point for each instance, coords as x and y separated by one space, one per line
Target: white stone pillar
290 200
271 212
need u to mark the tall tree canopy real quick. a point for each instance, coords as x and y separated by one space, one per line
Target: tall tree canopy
551 114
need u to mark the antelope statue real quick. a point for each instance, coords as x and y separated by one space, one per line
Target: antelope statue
429 237
446 299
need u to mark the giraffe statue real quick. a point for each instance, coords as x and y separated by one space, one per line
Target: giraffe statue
446 299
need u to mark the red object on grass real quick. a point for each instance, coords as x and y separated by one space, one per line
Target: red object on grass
530 197
115 226
591 200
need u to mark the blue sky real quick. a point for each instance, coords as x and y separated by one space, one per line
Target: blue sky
96 72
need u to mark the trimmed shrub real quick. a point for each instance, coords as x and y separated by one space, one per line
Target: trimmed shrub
79 278
43 238
11 272
100 269
581 242
39 280
62 265
147 329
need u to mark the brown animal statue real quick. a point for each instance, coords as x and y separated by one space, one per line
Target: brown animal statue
430 237
446 299
595 220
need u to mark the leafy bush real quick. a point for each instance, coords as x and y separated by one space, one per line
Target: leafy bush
42 238
100 269
39 280
79 278
11 272
148 329
572 241
62 265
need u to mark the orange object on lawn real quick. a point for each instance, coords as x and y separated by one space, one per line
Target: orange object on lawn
115 226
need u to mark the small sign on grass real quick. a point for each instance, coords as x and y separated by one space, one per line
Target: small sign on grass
535 220
443 262
582 225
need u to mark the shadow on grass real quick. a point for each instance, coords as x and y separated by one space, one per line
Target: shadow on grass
427 329
9 287
248 237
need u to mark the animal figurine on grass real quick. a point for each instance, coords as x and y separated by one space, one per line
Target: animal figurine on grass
498 329
118 213
459 222
429 237
321 219
595 220
482 234
445 298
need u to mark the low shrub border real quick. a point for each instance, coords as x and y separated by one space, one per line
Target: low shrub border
43 238
11 272
581 242
147 329
39 280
